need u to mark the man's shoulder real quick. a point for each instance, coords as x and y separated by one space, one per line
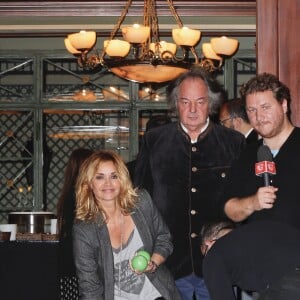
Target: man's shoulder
162 129
162 132
228 133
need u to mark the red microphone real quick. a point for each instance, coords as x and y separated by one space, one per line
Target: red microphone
265 166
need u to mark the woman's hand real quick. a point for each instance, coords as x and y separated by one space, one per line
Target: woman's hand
151 267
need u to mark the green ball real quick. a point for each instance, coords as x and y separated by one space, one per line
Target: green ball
145 254
139 263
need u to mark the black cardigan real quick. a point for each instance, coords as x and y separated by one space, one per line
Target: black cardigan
186 182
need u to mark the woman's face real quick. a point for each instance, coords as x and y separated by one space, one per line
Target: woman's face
105 183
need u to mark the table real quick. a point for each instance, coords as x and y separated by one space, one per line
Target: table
29 270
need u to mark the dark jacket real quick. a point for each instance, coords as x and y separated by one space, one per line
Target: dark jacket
94 258
186 182
253 257
252 137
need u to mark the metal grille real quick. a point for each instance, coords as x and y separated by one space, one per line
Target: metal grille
244 69
16 70
16 151
62 138
15 161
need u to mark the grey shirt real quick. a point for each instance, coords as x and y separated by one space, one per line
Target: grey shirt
128 284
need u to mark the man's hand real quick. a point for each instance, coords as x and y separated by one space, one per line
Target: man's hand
264 198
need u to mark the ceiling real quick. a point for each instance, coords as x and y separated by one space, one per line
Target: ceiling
56 18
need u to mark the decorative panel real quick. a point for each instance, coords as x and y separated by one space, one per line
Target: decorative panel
64 81
16 70
68 130
244 69
16 161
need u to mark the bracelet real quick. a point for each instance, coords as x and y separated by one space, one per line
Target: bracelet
155 265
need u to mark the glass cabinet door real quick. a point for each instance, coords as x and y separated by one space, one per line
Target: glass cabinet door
16 160
67 130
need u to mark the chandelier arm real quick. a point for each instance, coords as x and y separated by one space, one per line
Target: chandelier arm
184 56
116 28
209 64
193 50
150 20
154 21
145 46
166 56
82 58
146 13
79 61
220 63
174 13
121 19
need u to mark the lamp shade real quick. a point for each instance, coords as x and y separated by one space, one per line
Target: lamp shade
224 45
116 48
70 48
82 40
164 48
185 36
208 52
136 34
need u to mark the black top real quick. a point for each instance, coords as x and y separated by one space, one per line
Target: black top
252 137
251 257
66 260
245 183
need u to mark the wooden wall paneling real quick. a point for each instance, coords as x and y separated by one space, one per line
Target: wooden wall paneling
278 45
266 36
289 51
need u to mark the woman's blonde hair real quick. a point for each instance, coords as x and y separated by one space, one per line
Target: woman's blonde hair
87 208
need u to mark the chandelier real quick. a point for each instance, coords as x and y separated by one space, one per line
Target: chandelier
141 56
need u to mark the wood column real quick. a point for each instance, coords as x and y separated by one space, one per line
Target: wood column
278 45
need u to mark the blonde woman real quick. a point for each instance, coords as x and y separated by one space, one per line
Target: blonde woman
113 222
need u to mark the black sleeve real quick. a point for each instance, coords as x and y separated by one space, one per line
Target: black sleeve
143 174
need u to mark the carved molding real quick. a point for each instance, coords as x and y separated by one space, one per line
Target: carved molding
113 8
57 12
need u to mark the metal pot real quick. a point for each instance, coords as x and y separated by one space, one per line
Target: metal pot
31 222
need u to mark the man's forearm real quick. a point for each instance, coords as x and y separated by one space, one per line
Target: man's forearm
239 209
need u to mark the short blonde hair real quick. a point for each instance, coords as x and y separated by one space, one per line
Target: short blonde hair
87 209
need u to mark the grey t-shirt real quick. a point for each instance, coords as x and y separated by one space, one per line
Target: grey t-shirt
128 284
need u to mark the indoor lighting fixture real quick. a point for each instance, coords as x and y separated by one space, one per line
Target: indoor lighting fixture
142 57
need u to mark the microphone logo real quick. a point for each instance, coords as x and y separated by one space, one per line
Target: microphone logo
265 167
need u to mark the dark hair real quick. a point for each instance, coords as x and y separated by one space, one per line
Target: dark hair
236 109
215 91
76 159
211 230
267 82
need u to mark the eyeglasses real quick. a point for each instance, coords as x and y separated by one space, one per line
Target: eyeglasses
222 122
